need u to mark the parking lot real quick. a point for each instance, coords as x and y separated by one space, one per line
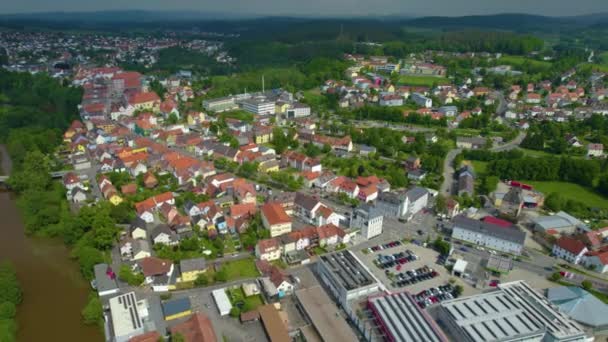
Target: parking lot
426 257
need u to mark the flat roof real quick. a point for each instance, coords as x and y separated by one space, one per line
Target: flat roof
347 270
176 306
460 265
275 329
515 311
324 315
221 300
402 318
105 278
125 315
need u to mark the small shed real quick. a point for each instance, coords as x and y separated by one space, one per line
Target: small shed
222 301
459 267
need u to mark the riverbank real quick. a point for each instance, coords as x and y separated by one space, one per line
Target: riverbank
54 291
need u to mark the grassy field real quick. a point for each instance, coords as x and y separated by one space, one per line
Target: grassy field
237 297
422 80
571 191
517 61
244 268
479 166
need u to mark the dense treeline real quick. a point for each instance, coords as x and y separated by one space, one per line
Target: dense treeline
392 114
293 78
35 101
10 297
552 136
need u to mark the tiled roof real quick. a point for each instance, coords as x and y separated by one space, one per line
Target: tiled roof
571 245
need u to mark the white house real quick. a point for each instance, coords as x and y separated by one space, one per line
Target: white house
422 100
367 220
596 260
268 249
569 249
595 150
418 199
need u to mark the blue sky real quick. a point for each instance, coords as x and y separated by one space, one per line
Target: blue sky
321 7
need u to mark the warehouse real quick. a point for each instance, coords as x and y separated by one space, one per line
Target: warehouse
515 312
324 315
489 234
222 301
346 277
399 318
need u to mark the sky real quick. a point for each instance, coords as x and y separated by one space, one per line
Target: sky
320 7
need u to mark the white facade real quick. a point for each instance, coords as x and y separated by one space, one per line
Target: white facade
422 100
259 107
567 255
486 240
368 222
298 111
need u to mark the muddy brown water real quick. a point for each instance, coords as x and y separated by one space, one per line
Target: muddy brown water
54 291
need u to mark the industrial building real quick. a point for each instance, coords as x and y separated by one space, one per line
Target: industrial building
508 239
514 312
581 306
399 318
324 315
258 105
176 308
127 315
346 277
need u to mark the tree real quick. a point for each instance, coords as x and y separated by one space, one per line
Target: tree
587 285
201 280
489 184
8 310
440 204
443 247
10 291
458 289
92 312
556 276
126 274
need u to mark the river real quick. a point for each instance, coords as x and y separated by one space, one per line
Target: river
54 291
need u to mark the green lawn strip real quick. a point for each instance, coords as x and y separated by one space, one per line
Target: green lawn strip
422 80
571 191
237 269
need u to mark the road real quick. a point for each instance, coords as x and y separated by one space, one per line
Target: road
448 169
448 172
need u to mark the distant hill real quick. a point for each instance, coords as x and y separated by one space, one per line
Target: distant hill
513 22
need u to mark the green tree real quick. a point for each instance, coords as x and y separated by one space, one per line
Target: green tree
201 280
587 285
556 276
92 312
440 204
126 274
10 291
8 310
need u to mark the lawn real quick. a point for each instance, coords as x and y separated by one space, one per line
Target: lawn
422 80
517 61
479 166
571 191
238 299
244 268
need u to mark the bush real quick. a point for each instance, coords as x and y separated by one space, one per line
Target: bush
235 312
92 312
555 276
201 280
587 285
8 310
125 274
458 290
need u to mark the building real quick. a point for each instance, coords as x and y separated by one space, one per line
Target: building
275 219
222 301
597 260
273 324
297 110
469 143
488 234
258 106
105 280
569 249
191 268
512 202
391 204
595 150
127 316
220 104
197 328
346 277
177 308
422 100
268 249
399 318
391 100
561 223
514 312
324 315
418 199
581 306
367 220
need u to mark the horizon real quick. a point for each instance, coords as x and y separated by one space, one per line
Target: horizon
317 8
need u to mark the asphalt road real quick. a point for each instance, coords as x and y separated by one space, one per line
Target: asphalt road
448 172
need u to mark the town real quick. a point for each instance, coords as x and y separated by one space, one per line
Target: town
411 199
